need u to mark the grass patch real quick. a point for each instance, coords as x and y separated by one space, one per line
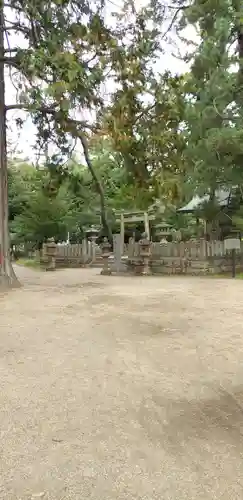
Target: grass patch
31 263
238 276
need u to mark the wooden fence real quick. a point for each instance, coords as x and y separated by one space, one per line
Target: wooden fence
78 255
192 256
194 249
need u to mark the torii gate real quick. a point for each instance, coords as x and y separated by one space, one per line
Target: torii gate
133 216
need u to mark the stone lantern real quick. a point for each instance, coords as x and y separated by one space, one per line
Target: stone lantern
106 253
232 244
92 235
51 254
162 230
145 253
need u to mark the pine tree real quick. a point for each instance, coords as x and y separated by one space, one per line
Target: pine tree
144 116
214 116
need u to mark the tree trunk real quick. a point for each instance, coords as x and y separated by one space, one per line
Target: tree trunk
99 189
70 127
7 275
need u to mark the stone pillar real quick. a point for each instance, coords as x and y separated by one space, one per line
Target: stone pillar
51 254
122 233
93 248
146 225
145 253
117 252
106 252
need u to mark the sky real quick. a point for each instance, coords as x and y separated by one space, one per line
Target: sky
21 142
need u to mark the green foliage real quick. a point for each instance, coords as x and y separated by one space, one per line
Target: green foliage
23 181
188 224
37 212
43 218
208 210
144 118
67 53
30 263
120 190
213 117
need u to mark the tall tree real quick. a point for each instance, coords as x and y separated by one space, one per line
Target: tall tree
214 112
144 116
7 275
69 57
60 71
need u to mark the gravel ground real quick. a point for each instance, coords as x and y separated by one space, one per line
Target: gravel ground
121 388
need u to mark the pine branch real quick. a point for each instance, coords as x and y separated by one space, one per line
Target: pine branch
53 111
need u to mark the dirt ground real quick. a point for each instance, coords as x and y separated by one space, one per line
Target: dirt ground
121 388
